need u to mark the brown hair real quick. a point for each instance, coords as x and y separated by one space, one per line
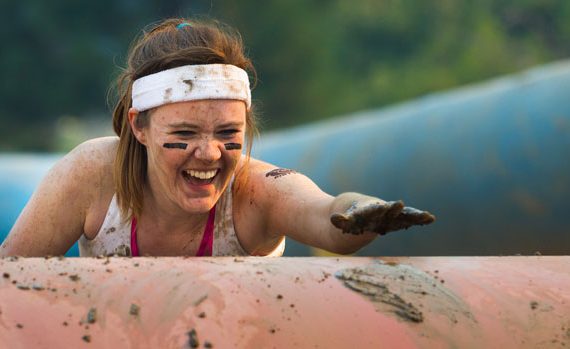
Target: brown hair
167 46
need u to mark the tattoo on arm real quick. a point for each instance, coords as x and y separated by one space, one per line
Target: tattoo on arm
232 146
279 172
175 145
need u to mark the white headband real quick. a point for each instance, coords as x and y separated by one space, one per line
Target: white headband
190 83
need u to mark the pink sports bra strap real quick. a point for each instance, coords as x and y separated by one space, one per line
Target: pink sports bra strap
206 244
205 248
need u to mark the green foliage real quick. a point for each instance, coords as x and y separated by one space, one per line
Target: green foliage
315 59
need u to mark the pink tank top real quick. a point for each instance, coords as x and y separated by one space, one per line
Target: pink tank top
205 248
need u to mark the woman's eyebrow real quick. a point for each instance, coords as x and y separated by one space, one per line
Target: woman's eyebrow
183 124
231 124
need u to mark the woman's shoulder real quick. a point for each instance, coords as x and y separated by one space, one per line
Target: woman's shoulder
92 166
89 166
94 155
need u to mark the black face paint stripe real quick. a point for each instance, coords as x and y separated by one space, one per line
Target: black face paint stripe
232 146
175 145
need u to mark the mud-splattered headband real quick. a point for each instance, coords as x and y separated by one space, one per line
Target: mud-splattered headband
189 83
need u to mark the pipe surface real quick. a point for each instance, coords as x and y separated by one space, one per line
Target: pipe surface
350 302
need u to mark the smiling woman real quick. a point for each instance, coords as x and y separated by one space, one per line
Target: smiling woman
175 182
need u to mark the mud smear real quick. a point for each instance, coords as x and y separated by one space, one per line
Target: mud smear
404 290
167 95
189 85
175 145
279 172
134 310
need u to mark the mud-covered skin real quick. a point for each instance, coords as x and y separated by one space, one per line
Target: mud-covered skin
380 218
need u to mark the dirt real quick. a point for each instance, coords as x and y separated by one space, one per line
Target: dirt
200 300
379 217
74 277
167 95
193 339
134 310
279 172
86 338
189 85
92 316
403 290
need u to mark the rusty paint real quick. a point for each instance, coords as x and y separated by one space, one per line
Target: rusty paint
485 302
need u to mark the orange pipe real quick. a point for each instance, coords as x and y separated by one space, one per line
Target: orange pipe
502 302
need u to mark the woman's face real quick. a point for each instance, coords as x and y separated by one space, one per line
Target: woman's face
193 178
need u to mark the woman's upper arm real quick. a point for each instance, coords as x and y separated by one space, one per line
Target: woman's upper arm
54 217
290 204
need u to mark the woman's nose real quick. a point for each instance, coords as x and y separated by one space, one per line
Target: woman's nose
208 150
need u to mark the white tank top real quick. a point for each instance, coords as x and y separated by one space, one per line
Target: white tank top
114 237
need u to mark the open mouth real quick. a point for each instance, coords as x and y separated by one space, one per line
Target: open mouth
196 177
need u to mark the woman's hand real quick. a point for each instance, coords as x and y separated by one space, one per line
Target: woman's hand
379 217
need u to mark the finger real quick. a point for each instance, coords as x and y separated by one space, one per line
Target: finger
417 217
341 221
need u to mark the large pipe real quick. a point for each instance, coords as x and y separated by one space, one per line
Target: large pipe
426 302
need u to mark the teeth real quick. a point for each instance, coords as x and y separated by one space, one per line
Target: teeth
201 174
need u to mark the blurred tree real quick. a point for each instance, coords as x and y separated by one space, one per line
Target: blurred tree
315 58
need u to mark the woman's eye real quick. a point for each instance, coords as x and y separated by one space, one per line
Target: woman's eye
228 133
184 133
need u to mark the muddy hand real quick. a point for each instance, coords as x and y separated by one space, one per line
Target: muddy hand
380 218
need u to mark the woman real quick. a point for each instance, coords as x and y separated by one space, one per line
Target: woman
175 182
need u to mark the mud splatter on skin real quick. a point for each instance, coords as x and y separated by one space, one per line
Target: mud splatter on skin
279 172
232 146
182 146
134 310
380 218
403 290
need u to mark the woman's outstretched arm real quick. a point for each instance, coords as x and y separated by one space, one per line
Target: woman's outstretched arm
289 203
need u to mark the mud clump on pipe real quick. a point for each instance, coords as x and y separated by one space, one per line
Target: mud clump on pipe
402 290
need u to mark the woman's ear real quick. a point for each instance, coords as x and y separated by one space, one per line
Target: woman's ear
137 131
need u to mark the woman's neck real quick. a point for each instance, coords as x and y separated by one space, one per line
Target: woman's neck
169 219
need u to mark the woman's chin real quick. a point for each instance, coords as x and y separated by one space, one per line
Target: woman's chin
198 206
